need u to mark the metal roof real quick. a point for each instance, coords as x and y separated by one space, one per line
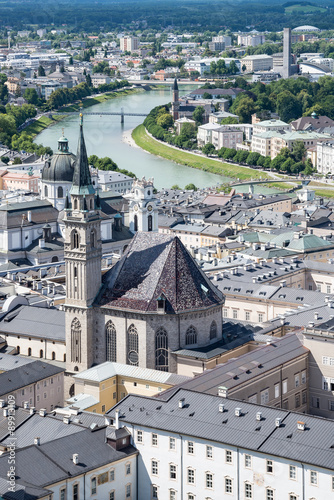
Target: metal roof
200 417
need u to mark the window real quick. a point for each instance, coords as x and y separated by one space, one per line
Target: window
261 315
154 491
75 492
270 467
190 447
297 400
292 496
213 330
304 397
265 397
112 495
331 405
190 496
93 486
228 485
208 480
191 335
75 239
191 476
60 193
139 436
172 495
209 452
248 490
277 391
172 443
128 491
328 289
127 469
270 494
62 494
228 456
292 472
304 377
172 471
297 380
247 316
234 313
161 350
315 402
313 477
112 475
248 461
133 345
225 314
332 482
75 341
285 386
154 439
154 467
111 341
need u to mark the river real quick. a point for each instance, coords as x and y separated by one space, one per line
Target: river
104 137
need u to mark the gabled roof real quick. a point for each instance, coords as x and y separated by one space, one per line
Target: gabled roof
156 264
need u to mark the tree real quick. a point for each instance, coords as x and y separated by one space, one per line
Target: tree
165 120
252 159
41 71
288 106
190 187
244 107
31 96
70 60
175 186
208 149
5 159
308 167
17 161
89 80
198 114
298 150
206 95
243 68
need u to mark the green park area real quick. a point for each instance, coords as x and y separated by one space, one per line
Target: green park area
145 141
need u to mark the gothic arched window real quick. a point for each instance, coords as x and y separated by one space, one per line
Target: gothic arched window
46 191
76 341
60 192
75 204
135 220
191 335
133 345
149 223
75 239
213 330
111 341
161 350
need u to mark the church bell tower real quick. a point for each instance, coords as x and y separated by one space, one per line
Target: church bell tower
83 253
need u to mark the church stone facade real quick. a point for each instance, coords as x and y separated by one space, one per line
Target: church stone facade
155 300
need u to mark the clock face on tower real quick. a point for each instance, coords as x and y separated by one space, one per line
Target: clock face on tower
149 208
135 208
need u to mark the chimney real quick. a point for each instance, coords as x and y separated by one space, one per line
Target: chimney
41 243
107 420
278 422
2 403
237 412
282 283
300 425
29 216
117 419
259 415
222 391
26 405
42 412
5 412
331 304
66 420
75 458
221 408
37 441
311 324
32 410
316 315
181 403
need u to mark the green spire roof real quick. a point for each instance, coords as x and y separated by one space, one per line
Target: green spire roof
82 182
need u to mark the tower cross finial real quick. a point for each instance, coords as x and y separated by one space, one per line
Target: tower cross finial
62 130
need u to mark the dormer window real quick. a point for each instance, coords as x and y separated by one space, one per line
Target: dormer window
161 304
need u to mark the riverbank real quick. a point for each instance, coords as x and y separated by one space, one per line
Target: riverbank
98 99
42 123
151 145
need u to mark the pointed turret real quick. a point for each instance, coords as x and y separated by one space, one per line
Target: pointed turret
82 182
175 86
175 103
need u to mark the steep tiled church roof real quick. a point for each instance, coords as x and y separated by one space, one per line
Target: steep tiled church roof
157 265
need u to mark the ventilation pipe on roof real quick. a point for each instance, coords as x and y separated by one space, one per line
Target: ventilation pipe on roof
26 405
66 420
75 458
259 415
37 441
116 419
42 412
300 425
32 410
237 412
182 403
316 315
2 403
5 412
29 215
278 422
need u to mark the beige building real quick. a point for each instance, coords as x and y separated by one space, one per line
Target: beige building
99 388
270 143
320 341
226 137
260 62
270 126
20 180
129 43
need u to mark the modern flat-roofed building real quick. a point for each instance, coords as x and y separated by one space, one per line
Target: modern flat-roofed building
261 62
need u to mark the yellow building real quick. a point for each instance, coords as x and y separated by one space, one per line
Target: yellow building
99 388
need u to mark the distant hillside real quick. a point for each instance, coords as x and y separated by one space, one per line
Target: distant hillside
302 8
